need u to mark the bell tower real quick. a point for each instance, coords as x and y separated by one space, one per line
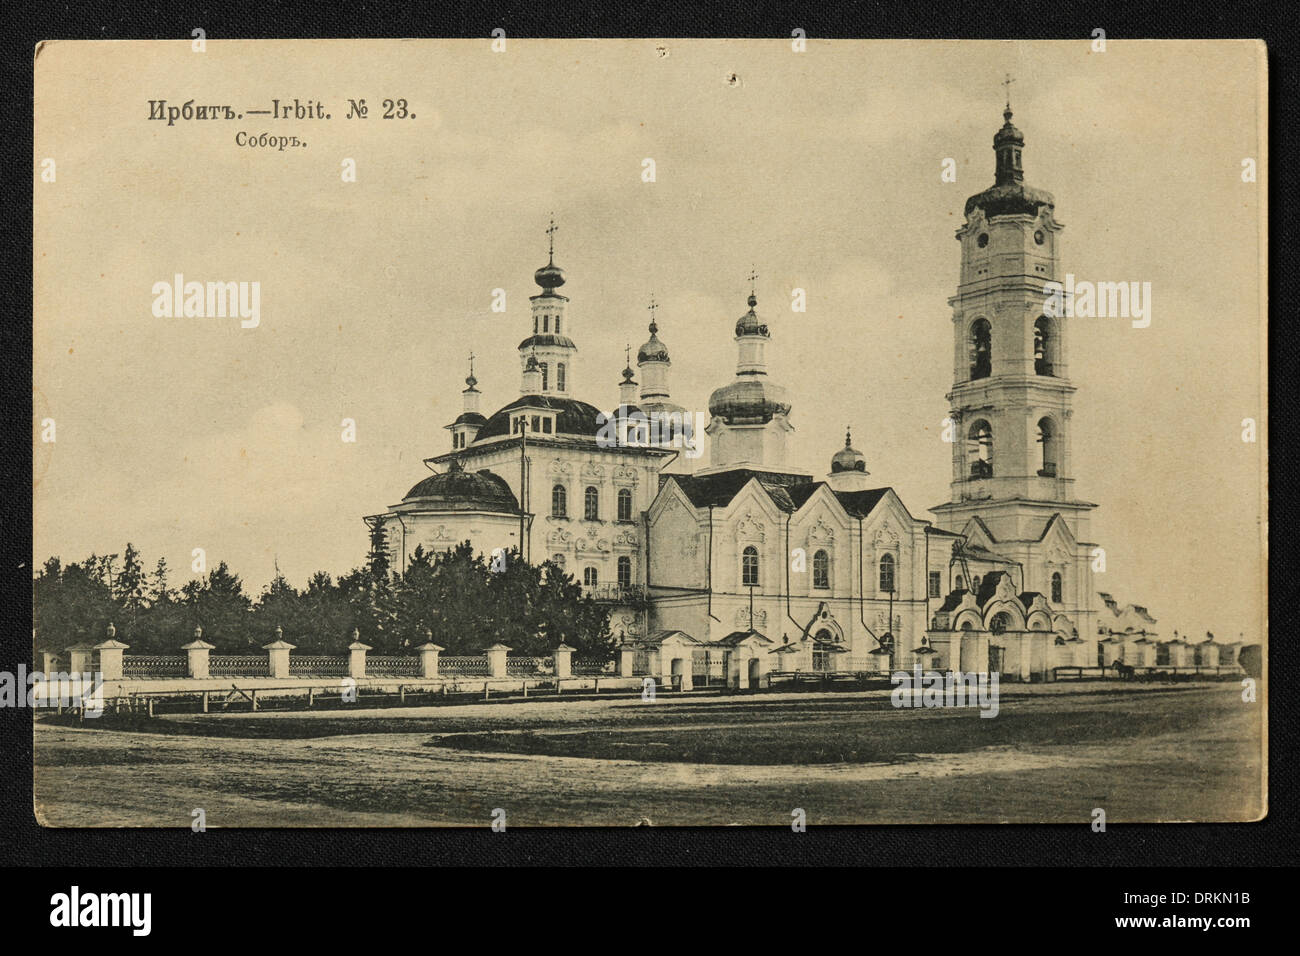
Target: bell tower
549 351
1011 395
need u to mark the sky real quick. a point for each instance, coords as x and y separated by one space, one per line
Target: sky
820 169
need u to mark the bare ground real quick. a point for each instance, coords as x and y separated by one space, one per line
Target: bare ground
1053 753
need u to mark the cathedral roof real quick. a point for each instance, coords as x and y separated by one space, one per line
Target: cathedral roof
574 418
789 492
459 490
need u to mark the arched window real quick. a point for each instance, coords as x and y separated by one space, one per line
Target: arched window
589 577
624 504
591 504
559 502
749 567
1048 452
979 450
545 375
887 572
557 325
1044 346
960 582
625 572
546 323
821 570
559 376
1001 621
981 349
1056 587
975 583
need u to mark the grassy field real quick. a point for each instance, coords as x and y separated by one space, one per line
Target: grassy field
1053 753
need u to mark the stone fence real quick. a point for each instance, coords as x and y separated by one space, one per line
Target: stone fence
110 659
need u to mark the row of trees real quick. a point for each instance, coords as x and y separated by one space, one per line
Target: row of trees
455 598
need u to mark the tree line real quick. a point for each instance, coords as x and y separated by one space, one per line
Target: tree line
458 599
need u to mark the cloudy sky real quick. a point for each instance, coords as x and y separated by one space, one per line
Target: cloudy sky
821 168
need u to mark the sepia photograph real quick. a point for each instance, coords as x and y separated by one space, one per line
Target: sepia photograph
530 432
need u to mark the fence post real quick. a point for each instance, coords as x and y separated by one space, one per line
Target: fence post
357 656
196 655
563 660
626 661
496 657
110 655
80 658
278 657
49 663
429 652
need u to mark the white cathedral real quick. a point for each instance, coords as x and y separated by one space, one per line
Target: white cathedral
753 559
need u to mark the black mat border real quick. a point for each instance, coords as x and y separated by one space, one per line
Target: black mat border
1271 842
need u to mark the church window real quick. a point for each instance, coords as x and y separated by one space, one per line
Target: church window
535 321
887 573
557 325
960 582
1044 346
546 323
1047 448
1056 587
983 240
589 577
1001 621
537 423
821 570
979 450
591 504
975 583
625 572
546 377
559 376
981 349
559 502
624 504
749 567
546 426
936 584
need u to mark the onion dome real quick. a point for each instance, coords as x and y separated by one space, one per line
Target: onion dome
627 376
848 458
748 401
749 324
459 490
653 350
550 277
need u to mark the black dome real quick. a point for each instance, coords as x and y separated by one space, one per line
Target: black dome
460 490
574 418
